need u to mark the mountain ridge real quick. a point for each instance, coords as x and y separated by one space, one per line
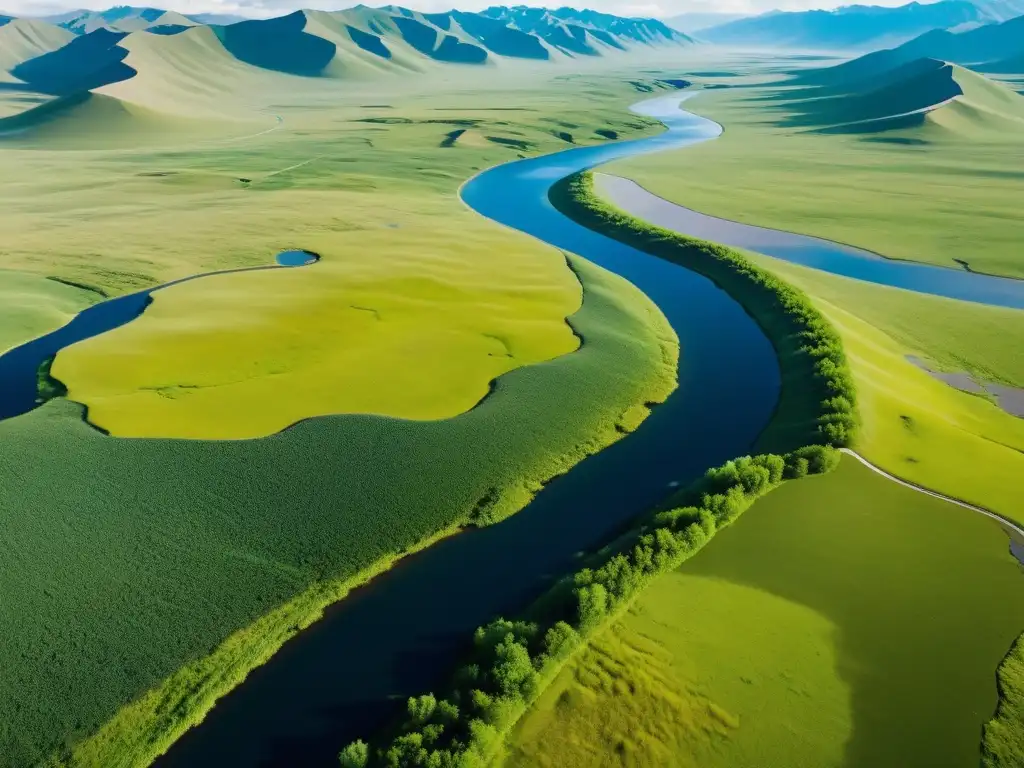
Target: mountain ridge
859 27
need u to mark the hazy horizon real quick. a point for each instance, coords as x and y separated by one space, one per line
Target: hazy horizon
264 8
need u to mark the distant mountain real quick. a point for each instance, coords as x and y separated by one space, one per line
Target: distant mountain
693 23
991 48
122 18
96 49
851 27
219 18
585 32
921 100
1000 10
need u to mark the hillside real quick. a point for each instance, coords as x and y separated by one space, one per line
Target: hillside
173 66
996 48
585 32
25 39
929 98
851 27
358 42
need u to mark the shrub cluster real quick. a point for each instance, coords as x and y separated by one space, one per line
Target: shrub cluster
512 659
787 315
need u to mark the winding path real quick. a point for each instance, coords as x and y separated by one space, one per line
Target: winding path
1015 530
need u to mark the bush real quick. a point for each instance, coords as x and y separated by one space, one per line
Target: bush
355 755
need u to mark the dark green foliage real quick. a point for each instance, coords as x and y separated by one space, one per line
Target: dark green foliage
48 387
513 658
355 755
818 404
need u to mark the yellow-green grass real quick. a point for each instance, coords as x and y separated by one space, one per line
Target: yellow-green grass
157 552
410 281
420 335
921 193
913 425
31 305
842 621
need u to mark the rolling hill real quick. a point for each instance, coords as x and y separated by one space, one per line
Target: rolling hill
929 98
858 27
355 42
24 39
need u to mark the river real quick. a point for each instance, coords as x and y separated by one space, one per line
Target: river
404 632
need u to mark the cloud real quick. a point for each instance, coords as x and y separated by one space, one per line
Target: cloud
259 8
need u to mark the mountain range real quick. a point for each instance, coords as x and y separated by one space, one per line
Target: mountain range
859 27
996 48
129 62
92 49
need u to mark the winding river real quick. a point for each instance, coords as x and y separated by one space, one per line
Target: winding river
403 633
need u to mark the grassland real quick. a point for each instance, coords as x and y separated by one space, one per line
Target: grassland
969 171
346 336
916 427
31 305
160 571
843 621
959 444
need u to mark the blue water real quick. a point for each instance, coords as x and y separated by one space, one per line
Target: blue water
19 366
296 258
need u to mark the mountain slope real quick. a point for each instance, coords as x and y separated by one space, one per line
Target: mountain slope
586 32
850 27
25 39
86 62
1001 43
924 99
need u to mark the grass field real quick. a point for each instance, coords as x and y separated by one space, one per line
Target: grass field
405 284
968 167
31 305
920 429
843 621
174 567
916 427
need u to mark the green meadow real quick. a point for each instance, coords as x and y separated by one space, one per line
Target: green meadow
944 190
842 621
232 546
931 189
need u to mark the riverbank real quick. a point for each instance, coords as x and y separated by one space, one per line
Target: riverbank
785 315
485 490
513 661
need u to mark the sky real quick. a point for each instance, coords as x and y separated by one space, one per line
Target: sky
261 8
